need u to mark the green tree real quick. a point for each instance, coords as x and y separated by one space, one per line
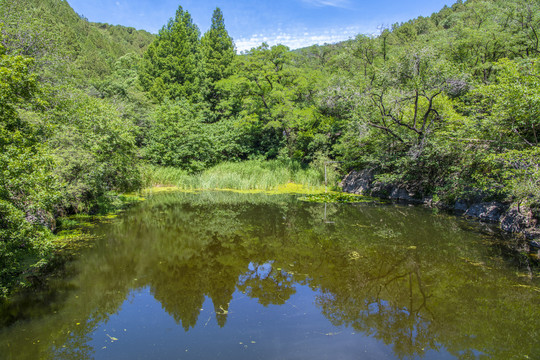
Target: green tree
508 110
23 158
511 104
218 54
275 101
171 67
26 189
178 138
94 151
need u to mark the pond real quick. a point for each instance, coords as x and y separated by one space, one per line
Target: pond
221 275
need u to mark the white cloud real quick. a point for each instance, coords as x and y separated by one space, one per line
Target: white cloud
301 38
331 3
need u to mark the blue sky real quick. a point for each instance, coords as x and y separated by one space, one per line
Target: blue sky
295 23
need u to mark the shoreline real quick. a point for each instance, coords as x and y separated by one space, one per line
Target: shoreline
508 218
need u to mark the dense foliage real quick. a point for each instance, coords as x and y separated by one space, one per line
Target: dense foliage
446 105
25 190
66 140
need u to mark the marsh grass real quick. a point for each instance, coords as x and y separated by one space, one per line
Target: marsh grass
247 175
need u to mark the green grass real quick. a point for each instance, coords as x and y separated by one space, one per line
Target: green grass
247 175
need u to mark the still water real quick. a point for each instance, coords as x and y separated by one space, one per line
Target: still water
218 275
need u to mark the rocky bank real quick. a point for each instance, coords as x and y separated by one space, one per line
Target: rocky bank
509 218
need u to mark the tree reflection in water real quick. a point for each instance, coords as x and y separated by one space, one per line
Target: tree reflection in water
412 279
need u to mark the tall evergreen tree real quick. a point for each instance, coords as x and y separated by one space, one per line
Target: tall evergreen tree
218 55
171 67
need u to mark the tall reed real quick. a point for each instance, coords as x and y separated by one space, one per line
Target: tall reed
246 175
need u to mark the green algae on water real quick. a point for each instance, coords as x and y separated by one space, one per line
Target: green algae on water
337 197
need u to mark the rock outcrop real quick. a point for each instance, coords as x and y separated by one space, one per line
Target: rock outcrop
486 211
358 182
363 182
510 219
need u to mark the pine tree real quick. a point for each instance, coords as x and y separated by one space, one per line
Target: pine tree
171 67
218 55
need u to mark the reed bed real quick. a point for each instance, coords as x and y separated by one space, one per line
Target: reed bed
246 175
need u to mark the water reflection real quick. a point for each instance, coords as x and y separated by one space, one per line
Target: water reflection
420 283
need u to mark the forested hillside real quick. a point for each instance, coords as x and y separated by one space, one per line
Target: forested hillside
446 105
67 123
